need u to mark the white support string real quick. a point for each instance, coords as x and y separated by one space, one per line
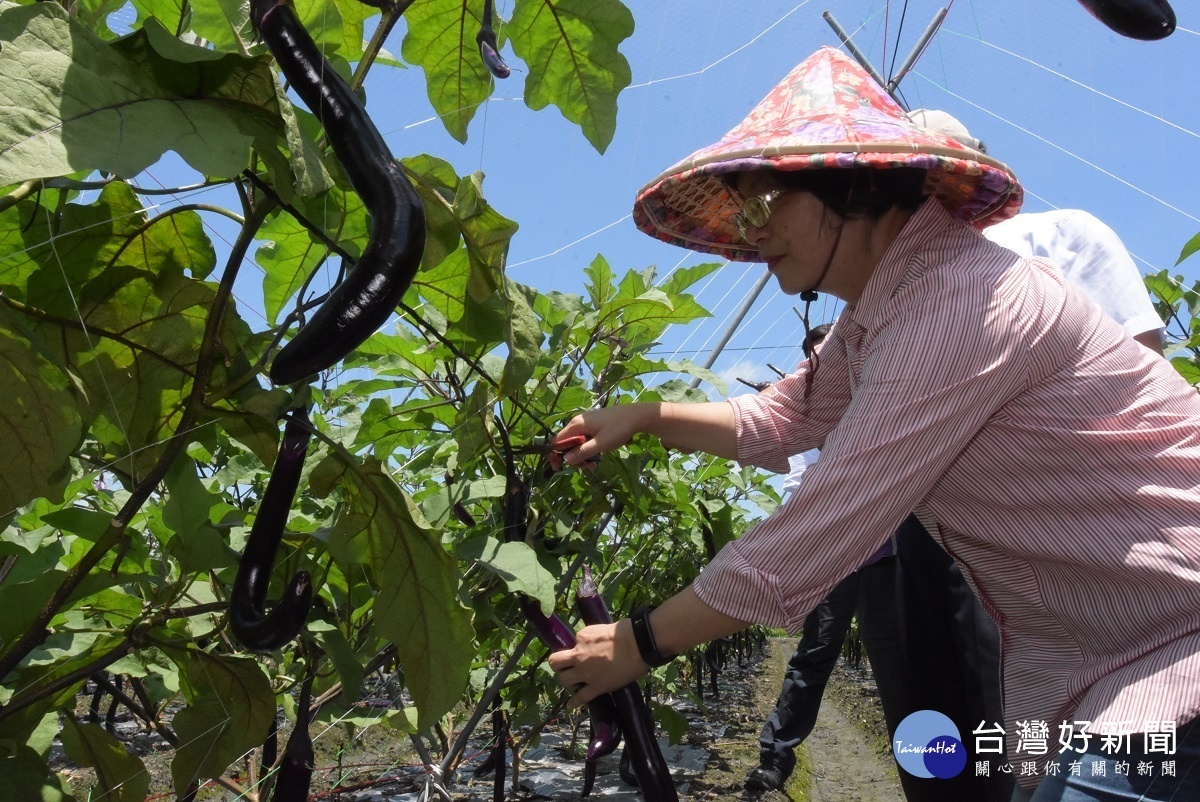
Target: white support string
1058 147
1078 83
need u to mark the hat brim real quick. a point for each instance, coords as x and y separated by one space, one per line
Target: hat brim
690 205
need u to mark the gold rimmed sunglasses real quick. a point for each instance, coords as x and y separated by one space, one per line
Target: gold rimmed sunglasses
756 211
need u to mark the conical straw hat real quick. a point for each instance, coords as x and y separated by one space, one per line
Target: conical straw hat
828 112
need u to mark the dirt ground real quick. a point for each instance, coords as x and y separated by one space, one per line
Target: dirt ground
845 760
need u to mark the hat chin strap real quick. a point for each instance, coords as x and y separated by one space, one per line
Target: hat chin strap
810 295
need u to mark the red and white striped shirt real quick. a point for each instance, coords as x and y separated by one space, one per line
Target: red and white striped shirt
1059 459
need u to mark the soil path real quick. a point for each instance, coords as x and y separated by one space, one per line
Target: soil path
843 763
844 767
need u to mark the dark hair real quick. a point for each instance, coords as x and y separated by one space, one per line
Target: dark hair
855 193
814 337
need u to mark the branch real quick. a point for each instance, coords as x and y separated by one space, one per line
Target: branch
20 193
387 21
76 323
67 680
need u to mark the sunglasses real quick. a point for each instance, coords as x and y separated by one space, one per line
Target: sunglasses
756 211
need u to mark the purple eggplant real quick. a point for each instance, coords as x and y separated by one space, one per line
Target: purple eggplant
653 775
1138 19
549 628
489 51
299 759
253 627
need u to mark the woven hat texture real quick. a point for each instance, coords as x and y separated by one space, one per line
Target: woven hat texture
827 113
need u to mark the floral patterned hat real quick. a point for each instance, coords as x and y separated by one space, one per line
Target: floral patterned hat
828 112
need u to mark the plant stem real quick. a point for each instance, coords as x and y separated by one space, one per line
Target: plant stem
20 193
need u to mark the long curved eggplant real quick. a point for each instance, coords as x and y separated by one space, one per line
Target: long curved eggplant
653 775
369 294
1138 19
253 627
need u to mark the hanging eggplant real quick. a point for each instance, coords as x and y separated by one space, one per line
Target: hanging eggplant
254 628
641 747
369 294
1137 19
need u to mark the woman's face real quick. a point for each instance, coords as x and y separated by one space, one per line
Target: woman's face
794 244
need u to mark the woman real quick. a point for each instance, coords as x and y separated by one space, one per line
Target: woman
1055 459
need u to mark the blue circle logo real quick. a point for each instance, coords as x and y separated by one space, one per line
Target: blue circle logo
927 744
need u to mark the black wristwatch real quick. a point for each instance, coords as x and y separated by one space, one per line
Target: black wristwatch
644 635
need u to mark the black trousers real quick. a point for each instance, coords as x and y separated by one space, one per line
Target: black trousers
931 647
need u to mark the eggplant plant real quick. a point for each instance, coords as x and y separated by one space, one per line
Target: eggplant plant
145 482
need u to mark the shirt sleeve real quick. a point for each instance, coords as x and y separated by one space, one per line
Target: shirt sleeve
943 362
762 441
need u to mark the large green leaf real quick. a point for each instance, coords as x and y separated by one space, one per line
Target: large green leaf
524 339
77 103
120 775
571 49
416 595
194 541
516 563
441 41
25 777
230 709
118 309
40 418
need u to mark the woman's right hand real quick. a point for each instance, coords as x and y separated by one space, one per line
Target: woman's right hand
606 428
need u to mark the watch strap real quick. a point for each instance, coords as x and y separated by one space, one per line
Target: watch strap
643 635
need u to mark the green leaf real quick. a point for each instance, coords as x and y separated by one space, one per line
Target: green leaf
416 595
195 542
40 418
475 424
25 777
441 41
516 563
347 664
168 13
120 776
487 234
1191 247
1188 367
437 184
82 104
130 328
674 722
524 339
224 23
571 49
230 709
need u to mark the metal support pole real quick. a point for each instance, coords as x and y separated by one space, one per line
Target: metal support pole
751 297
859 56
916 51
865 63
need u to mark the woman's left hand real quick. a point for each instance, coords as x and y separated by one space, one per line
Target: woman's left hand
604 659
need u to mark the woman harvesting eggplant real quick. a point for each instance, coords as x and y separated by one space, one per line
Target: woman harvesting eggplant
1052 456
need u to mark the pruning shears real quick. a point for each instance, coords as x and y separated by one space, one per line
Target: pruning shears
545 446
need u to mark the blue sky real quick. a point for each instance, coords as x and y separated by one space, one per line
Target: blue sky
1086 118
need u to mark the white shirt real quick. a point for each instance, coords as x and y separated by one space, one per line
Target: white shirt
1090 255
797 464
